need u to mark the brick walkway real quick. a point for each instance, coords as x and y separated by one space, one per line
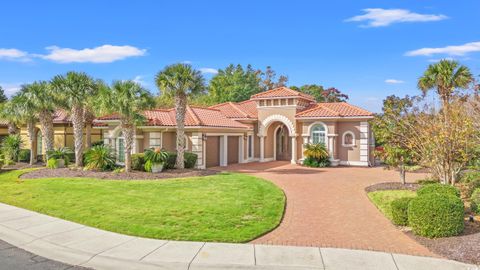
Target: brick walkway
329 208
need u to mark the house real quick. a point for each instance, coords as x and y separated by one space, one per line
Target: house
272 125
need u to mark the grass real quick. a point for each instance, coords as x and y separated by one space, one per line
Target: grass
227 207
383 198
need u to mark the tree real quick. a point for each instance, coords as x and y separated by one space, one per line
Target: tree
3 97
74 90
320 94
12 126
235 84
268 79
446 77
129 100
180 81
43 102
332 94
390 133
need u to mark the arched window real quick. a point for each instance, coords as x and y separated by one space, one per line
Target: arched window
318 134
348 139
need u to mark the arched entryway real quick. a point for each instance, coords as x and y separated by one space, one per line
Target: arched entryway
282 143
287 137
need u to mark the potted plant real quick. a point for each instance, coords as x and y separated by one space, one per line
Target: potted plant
60 155
155 160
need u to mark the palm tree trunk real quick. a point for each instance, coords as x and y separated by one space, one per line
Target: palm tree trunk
12 128
46 123
78 124
127 130
31 138
180 109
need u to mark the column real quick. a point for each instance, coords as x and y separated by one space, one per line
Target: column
197 148
330 147
294 150
364 143
241 149
305 141
224 150
262 148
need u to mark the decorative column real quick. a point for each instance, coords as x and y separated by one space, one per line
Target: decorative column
197 148
262 148
241 149
305 141
330 146
224 150
331 150
364 143
294 149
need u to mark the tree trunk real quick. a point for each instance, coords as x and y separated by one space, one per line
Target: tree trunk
88 134
78 124
128 131
46 123
402 174
180 109
31 138
12 128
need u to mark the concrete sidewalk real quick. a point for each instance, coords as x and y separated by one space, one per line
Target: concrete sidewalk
80 245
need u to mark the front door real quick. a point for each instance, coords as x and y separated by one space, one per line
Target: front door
282 144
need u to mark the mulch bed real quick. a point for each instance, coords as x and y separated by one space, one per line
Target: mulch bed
135 175
392 186
464 247
22 165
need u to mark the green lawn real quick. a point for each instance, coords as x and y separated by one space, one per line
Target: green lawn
227 207
383 198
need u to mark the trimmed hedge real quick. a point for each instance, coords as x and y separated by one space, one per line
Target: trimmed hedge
138 161
24 155
439 189
434 215
475 201
400 211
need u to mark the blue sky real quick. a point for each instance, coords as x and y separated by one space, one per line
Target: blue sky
355 46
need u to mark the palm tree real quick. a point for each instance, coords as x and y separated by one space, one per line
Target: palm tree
128 99
180 81
43 102
445 76
74 89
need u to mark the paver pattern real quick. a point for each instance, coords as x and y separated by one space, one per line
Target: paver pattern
328 207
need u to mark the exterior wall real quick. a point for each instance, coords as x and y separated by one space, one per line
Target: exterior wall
269 140
350 153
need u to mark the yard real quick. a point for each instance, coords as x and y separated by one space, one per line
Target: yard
383 199
226 207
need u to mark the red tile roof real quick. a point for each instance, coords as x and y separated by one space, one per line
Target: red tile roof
334 109
243 110
282 92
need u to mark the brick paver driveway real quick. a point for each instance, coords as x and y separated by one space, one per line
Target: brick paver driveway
329 208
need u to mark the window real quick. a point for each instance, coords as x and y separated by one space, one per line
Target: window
121 150
348 139
155 140
318 134
250 146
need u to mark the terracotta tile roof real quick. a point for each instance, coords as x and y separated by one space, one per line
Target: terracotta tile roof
61 116
333 109
243 110
195 116
3 123
282 92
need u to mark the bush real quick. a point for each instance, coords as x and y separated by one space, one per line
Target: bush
439 189
434 215
97 143
469 182
52 163
312 162
61 153
24 155
316 155
475 201
427 181
100 158
138 162
11 148
400 211
190 160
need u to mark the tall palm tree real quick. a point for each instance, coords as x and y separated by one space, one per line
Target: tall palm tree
128 99
180 81
445 76
43 102
74 89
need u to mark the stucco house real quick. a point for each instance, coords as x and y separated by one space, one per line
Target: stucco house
272 125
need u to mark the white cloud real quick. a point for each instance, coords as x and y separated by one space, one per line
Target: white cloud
101 54
377 17
186 62
140 80
457 50
393 81
11 88
14 54
209 70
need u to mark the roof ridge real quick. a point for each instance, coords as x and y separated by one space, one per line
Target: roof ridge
309 110
235 106
194 115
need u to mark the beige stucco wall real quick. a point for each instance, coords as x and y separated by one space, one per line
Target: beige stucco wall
350 153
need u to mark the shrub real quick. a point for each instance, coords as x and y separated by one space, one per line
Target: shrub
439 189
100 158
24 155
475 201
11 148
138 162
427 181
190 160
97 143
316 155
434 215
400 211
61 153
154 156
52 163
312 162
469 182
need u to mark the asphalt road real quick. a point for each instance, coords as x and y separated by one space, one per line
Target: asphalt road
13 258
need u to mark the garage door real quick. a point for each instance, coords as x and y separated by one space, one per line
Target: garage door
232 149
213 151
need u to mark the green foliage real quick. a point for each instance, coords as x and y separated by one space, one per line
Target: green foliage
3 97
439 189
52 163
10 148
316 155
138 162
148 166
100 158
97 143
400 211
321 94
434 215
234 84
61 153
180 80
155 155
24 155
383 199
190 160
475 201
